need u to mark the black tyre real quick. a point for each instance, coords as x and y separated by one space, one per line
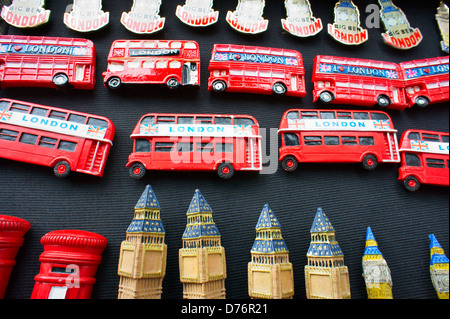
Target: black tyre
289 163
422 101
279 89
411 183
225 171
61 80
61 169
173 84
114 83
370 162
137 170
383 101
326 97
219 86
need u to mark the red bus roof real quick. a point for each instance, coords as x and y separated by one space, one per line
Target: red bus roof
256 50
425 62
356 62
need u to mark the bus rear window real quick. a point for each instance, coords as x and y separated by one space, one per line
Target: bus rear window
148 120
97 122
243 121
379 116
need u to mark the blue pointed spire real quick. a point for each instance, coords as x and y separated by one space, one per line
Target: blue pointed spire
321 222
198 228
267 218
438 256
198 204
371 244
148 199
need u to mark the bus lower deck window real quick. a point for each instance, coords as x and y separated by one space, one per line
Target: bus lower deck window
435 163
28 138
313 140
331 140
142 146
164 146
412 160
291 139
349 140
67 146
47 142
185 147
8 135
366 140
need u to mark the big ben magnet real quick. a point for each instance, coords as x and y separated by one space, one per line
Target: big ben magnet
442 20
346 27
144 17
25 13
300 21
399 33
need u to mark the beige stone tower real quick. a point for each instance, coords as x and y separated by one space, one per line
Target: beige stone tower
326 276
270 274
202 258
142 263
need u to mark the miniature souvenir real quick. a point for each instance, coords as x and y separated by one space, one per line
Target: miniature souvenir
376 272
442 17
368 83
347 26
337 136
426 81
143 254
144 17
68 264
300 21
202 257
25 13
326 276
12 231
197 13
439 269
170 62
29 61
195 142
248 17
424 159
270 274
259 70
399 33
86 16
65 140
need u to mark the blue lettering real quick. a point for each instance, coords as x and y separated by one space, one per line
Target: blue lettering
73 127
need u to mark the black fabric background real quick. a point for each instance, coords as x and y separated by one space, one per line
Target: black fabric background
351 197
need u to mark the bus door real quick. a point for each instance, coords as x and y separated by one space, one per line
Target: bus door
190 73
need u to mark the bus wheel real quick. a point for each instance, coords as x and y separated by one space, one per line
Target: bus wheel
370 162
61 169
326 97
411 183
422 101
173 84
225 171
137 170
61 80
219 86
279 89
383 101
289 163
114 83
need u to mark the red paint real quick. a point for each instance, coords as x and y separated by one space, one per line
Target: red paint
12 230
69 263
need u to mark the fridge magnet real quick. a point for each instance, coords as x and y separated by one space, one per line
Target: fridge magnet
399 33
86 16
248 17
300 21
25 13
438 268
144 17
442 20
197 13
346 27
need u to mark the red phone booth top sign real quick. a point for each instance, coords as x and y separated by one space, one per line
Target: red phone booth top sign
68 264
12 230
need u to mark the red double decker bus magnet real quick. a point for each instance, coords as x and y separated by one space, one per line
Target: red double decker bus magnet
144 17
197 13
25 13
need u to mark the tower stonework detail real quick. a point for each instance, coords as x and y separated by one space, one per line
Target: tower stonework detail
202 258
143 254
326 276
270 274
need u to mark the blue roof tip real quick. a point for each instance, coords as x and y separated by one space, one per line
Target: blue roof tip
434 242
321 222
267 218
369 234
371 250
199 204
148 199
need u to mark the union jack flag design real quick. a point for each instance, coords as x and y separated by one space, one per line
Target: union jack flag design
296 123
149 129
419 145
242 130
381 124
291 61
221 56
391 74
324 68
5 115
95 131
411 74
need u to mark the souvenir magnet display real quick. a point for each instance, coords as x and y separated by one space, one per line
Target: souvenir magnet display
68 264
86 16
197 13
248 17
50 137
424 158
326 276
202 261
152 151
347 27
143 254
270 274
399 33
300 21
143 17
439 268
165 62
25 13
442 17
12 231
376 272
267 70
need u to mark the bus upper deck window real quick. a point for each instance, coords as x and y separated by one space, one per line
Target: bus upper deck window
310 115
185 120
165 120
39 111
116 66
97 122
292 115
379 116
22 108
148 120
445 139
77 118
243 121
4 105
361 115
204 120
190 45
414 136
223 120
327 115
